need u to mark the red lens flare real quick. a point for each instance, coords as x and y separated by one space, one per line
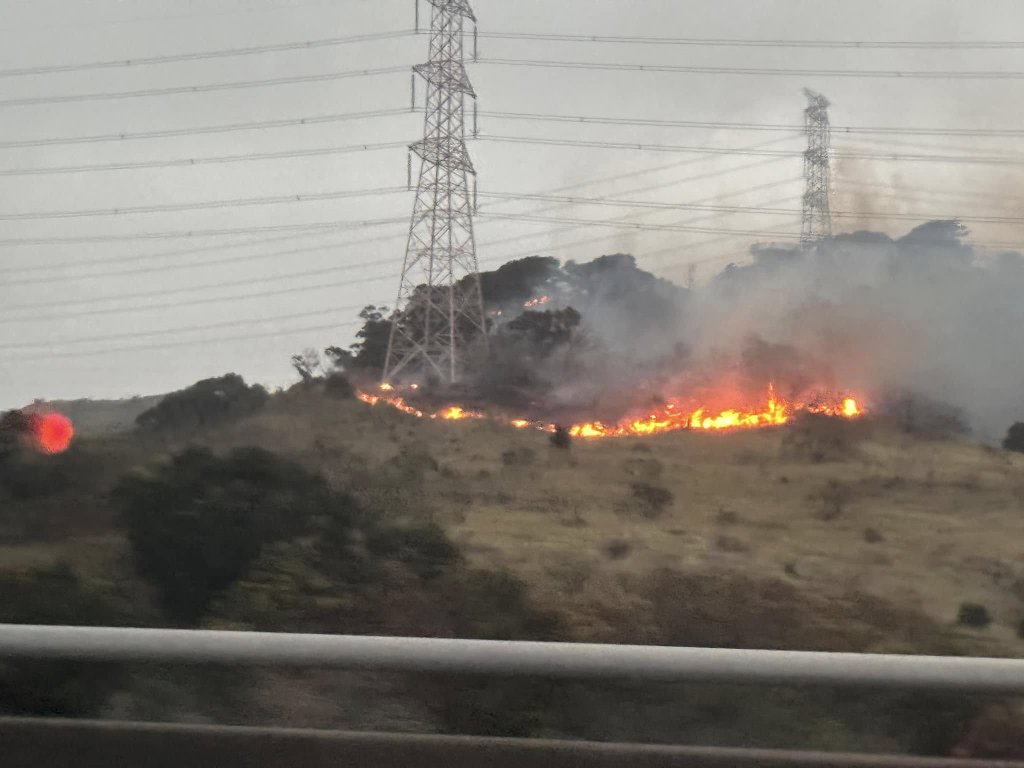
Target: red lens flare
52 432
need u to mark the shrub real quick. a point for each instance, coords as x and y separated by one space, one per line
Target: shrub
339 387
651 500
518 457
415 458
871 536
726 517
834 498
617 549
817 437
28 475
731 544
973 615
645 469
206 403
997 733
426 550
1014 440
197 523
921 416
55 595
561 438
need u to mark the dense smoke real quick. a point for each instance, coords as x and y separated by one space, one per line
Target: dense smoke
924 316
925 313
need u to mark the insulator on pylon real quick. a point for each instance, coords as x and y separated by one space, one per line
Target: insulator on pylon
475 182
412 82
476 56
408 170
476 127
417 4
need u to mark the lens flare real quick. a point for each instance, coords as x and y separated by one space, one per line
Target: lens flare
52 432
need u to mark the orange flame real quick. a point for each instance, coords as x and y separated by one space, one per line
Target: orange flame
538 302
668 418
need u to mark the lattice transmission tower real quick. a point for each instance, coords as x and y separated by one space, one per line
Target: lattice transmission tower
439 314
817 211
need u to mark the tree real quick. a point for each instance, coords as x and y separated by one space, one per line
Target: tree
370 351
308 365
1014 440
197 523
206 403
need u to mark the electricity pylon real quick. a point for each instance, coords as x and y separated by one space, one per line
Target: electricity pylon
439 313
816 222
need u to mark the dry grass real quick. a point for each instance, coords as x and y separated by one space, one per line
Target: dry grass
948 514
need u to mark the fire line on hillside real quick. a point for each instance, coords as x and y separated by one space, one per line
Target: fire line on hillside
773 411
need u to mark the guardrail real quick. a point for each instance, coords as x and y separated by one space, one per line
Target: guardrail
95 744
229 746
563 660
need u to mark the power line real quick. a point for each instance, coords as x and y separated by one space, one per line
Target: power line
740 126
895 156
235 283
65 314
30 101
327 42
519 116
204 205
192 343
760 210
684 222
170 268
200 55
763 71
623 225
253 257
320 151
179 252
187 162
756 43
200 130
322 225
168 331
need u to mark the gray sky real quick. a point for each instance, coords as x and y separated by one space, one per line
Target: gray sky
65 334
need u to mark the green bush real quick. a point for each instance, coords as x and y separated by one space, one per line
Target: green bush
1014 440
339 387
205 404
617 549
197 523
518 457
973 615
425 550
652 500
561 438
55 595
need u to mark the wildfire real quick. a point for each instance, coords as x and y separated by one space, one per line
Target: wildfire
451 413
670 417
540 301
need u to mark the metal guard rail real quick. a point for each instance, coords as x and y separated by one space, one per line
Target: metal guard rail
34 742
490 657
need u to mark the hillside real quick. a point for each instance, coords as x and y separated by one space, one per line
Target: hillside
823 534
946 513
98 417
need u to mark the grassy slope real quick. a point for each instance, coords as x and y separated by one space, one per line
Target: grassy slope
949 512
99 417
